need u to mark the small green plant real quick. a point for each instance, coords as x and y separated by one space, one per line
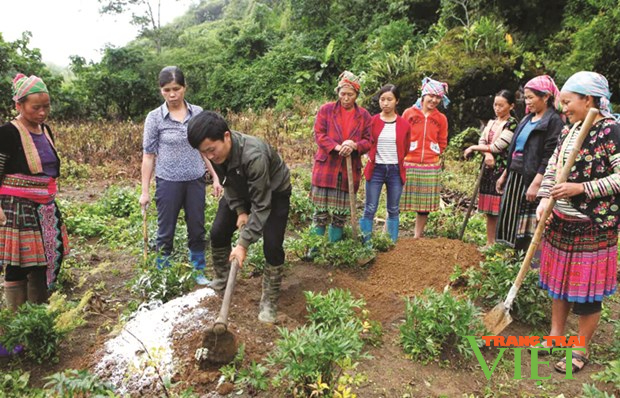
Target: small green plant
611 374
120 202
313 357
492 281
153 284
230 371
381 242
254 378
15 384
78 383
33 327
436 324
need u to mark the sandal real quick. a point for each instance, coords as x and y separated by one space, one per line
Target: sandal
541 347
561 366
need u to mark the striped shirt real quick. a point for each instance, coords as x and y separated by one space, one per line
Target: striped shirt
386 145
167 138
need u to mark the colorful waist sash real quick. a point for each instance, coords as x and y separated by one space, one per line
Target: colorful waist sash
40 190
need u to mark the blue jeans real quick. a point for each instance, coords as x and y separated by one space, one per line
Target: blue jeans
388 174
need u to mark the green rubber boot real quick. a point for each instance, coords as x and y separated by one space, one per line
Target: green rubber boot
272 281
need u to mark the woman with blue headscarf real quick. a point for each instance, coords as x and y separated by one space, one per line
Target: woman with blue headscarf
429 138
579 248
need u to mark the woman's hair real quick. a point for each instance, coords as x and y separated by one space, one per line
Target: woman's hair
171 74
388 88
540 94
596 101
507 95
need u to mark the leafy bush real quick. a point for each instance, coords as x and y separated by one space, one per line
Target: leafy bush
314 357
34 327
120 201
163 285
437 323
447 223
78 383
611 374
492 281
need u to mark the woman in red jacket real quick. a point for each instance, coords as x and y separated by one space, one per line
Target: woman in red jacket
341 129
429 138
390 140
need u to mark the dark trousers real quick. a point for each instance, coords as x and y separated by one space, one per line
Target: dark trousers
170 198
225 224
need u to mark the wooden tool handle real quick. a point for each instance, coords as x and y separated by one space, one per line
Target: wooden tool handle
540 228
230 287
473 200
352 197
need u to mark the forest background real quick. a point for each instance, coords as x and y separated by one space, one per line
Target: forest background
287 54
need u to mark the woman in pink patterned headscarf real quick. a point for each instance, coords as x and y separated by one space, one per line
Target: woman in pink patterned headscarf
532 145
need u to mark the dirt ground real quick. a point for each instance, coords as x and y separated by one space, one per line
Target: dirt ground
407 270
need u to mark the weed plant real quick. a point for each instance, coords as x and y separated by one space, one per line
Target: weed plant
33 327
436 324
490 284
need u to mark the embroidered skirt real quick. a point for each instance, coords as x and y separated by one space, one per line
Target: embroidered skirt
34 235
517 217
488 199
332 200
579 260
422 189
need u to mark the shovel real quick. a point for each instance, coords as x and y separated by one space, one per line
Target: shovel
471 203
499 317
360 261
220 343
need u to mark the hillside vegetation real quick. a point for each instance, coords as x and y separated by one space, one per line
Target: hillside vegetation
240 54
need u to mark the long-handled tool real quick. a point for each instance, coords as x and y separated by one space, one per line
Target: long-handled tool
220 343
352 197
499 317
145 232
472 202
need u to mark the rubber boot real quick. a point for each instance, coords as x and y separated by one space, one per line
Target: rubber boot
221 267
392 228
37 285
366 229
16 294
272 281
318 230
197 258
162 261
334 234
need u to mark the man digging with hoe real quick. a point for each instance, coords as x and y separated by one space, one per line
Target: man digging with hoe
256 200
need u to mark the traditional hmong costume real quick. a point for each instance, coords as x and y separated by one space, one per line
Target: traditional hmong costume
429 138
497 135
579 249
532 146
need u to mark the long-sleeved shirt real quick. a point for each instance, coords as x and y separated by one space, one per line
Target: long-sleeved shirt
429 135
597 166
253 171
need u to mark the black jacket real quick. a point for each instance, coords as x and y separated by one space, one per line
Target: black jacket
539 145
12 156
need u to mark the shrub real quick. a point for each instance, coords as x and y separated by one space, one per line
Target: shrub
492 281
32 326
319 356
436 324
14 384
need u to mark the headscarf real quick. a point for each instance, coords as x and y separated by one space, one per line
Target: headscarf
591 83
24 86
435 87
348 79
545 84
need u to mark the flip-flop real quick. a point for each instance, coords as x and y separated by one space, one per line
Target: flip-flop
541 349
576 367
